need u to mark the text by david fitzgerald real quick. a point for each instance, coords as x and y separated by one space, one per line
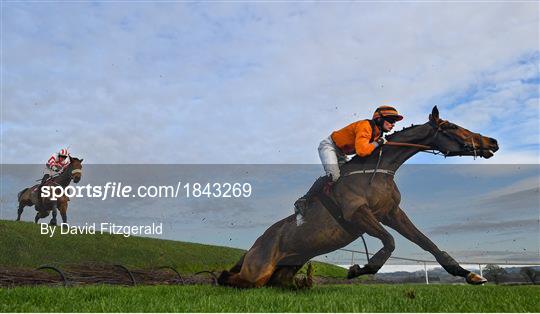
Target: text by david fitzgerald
104 227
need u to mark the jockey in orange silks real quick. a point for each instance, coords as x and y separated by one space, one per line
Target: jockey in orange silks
360 138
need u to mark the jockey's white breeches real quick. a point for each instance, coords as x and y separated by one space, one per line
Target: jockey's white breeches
331 157
51 172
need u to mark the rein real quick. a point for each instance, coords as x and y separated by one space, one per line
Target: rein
423 147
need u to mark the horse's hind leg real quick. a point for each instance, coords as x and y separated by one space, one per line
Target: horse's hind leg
256 270
238 266
364 218
20 211
402 224
285 276
24 200
225 275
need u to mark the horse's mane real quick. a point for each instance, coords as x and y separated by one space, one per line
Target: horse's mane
397 133
357 160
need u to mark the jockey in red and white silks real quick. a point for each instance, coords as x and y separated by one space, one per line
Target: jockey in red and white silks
58 162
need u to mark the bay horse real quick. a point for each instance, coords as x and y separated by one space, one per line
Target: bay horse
367 198
44 206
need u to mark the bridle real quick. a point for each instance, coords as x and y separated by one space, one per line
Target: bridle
426 148
467 148
72 172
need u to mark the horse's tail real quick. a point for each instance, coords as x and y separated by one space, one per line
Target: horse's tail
20 194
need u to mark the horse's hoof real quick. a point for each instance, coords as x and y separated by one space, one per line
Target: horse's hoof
223 278
309 276
354 271
302 283
475 279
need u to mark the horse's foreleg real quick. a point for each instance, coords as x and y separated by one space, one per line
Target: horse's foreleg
41 214
402 224
369 224
53 221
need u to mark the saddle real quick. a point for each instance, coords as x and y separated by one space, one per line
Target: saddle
333 208
336 212
35 196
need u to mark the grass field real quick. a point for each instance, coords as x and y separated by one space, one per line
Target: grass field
21 244
345 298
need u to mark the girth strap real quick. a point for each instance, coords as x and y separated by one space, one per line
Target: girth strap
336 212
389 172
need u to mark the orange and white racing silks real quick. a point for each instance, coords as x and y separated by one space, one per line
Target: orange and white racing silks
355 138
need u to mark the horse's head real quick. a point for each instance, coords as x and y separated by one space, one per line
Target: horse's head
453 140
76 169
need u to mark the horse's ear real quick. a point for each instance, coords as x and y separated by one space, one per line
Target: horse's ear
81 159
434 116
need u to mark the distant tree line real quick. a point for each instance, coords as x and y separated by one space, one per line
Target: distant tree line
494 273
497 274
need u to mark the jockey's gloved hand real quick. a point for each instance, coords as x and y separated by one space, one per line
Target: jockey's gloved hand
381 141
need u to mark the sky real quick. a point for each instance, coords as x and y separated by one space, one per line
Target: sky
179 83
246 82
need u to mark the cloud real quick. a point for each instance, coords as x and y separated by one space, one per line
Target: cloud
527 199
264 83
520 198
525 225
490 256
526 185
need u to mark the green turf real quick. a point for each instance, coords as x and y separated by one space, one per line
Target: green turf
22 244
345 298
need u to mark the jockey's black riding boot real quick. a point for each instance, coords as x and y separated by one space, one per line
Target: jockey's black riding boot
38 189
301 204
45 178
